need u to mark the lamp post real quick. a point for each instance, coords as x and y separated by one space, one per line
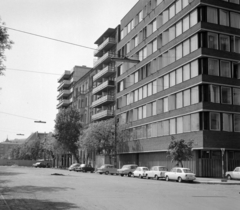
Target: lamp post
223 151
39 121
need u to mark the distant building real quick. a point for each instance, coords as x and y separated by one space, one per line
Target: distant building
9 144
66 82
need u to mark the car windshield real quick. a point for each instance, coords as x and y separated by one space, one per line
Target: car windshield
187 170
103 166
126 166
145 169
162 169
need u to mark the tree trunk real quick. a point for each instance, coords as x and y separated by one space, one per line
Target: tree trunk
181 163
75 156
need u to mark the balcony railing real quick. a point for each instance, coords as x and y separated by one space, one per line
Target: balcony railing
109 41
108 70
64 103
64 83
65 75
103 114
106 56
103 100
64 93
104 85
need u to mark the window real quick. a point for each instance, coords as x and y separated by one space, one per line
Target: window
173 126
145 91
214 121
184 3
186 98
187 123
140 113
213 41
213 67
224 43
179 100
195 122
172 32
193 18
237 123
144 109
224 17
154 87
186 72
166 82
154 45
236 71
154 108
172 11
165 127
214 94
194 95
135 95
136 41
212 15
136 77
172 79
235 17
237 44
236 96
179 52
194 43
226 95
164 59
179 76
179 28
149 131
194 68
225 69
165 16
179 125
149 89
140 91
227 122
186 47
165 104
171 55
140 16
154 25
186 23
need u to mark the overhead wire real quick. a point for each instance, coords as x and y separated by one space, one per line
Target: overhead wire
18 116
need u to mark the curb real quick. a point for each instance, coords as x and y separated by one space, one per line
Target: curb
214 182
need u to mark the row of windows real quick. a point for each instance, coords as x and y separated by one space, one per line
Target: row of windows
225 95
162 18
178 76
233 1
175 101
223 17
188 123
177 125
223 42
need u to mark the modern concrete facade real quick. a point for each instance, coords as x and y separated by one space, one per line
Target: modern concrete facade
66 82
186 85
103 92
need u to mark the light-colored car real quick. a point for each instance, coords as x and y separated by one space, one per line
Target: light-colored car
140 172
107 169
180 174
235 174
156 172
127 170
73 166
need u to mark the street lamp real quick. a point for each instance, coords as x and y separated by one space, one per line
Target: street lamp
125 59
20 134
39 121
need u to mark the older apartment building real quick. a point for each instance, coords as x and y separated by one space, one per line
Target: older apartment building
186 85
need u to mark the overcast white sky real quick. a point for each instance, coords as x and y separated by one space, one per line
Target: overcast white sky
33 96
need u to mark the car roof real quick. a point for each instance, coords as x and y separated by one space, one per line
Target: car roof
130 165
180 168
160 166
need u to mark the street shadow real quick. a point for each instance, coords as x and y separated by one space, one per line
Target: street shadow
30 204
32 189
4 181
9 173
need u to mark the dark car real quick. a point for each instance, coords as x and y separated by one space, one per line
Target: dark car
40 165
85 168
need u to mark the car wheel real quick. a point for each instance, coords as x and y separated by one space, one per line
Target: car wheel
179 179
229 177
121 174
167 178
112 174
129 174
140 177
107 172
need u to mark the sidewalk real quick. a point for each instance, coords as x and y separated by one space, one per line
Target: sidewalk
203 180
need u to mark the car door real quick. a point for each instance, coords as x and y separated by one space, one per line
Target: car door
173 174
179 173
151 172
236 173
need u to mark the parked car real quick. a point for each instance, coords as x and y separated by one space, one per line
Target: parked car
140 172
85 168
39 165
180 174
156 172
235 174
127 170
107 169
73 166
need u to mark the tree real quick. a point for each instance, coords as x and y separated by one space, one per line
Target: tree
68 128
180 150
100 136
5 44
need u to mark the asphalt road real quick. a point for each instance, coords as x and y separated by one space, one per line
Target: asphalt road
23 188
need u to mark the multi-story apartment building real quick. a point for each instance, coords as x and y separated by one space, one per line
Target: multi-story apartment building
9 144
186 85
66 82
104 80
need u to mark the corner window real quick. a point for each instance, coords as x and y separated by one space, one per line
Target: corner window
213 67
227 122
224 43
225 69
224 17
213 41
214 121
237 123
212 15
226 95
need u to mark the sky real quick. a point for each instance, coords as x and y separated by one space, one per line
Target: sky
27 96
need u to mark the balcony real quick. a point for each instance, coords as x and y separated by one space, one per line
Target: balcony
106 72
103 86
64 93
64 103
103 101
103 115
64 84
106 45
66 75
106 58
